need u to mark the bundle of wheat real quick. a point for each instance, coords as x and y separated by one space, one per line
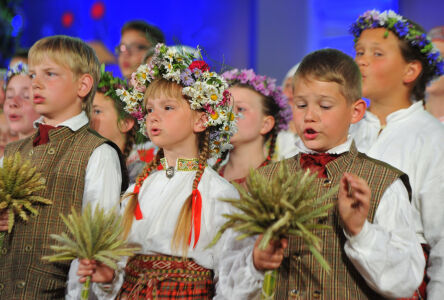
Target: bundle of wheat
94 234
280 207
18 184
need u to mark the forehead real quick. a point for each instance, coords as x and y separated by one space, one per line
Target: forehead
379 36
244 94
313 88
20 81
46 61
133 36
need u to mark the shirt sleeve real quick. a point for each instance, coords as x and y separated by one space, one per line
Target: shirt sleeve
103 180
235 275
387 253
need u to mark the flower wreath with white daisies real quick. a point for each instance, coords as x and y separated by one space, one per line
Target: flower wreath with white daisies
205 90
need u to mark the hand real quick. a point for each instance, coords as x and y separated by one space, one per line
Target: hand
4 220
270 258
99 272
353 202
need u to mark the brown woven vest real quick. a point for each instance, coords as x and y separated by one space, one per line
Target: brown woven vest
300 275
62 162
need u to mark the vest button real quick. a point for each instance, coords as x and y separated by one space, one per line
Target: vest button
4 251
316 294
21 284
297 256
327 183
28 248
31 153
294 293
51 151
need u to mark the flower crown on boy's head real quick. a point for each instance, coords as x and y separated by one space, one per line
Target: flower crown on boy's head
266 86
17 69
205 90
405 30
108 85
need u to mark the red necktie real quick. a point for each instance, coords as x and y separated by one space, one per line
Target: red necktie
317 162
42 137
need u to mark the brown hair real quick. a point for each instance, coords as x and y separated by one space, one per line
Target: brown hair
410 54
331 65
69 52
152 33
184 223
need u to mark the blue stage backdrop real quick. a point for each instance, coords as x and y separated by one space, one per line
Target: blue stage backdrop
270 36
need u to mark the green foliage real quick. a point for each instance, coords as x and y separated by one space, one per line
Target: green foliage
94 234
283 206
18 184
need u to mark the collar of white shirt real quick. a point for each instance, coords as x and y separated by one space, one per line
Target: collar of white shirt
74 123
336 150
397 115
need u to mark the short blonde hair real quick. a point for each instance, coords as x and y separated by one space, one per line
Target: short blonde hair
331 65
69 52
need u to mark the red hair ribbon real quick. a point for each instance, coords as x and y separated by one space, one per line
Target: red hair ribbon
196 211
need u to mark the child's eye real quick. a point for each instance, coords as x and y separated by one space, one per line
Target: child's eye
377 53
32 75
97 111
149 110
359 53
169 107
240 109
301 105
326 107
50 74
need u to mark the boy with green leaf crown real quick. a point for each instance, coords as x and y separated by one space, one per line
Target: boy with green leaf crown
371 249
79 166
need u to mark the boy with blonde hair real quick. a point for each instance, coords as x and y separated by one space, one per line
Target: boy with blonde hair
372 247
79 167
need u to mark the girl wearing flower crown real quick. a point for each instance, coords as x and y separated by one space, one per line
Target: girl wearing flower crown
397 60
111 120
173 211
18 105
263 111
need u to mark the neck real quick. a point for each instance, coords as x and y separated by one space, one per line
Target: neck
120 141
171 155
435 105
384 107
243 158
55 120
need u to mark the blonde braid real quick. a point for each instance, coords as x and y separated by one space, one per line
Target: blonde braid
184 221
128 215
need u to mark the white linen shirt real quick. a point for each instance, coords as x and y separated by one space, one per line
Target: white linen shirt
103 180
386 252
413 141
161 199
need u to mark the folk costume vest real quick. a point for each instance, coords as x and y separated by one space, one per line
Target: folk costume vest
300 275
62 162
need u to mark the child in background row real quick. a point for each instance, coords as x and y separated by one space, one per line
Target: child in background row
397 60
136 38
173 211
18 107
372 247
112 121
79 166
263 111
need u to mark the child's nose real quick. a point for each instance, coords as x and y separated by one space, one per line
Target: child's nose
310 114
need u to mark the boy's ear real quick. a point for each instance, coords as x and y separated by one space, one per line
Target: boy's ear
412 71
86 83
267 125
358 110
126 125
200 121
